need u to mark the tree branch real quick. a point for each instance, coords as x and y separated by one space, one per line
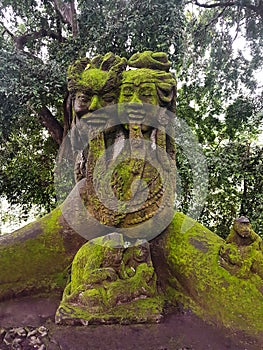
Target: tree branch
67 13
21 40
217 4
214 18
257 9
54 128
6 30
67 108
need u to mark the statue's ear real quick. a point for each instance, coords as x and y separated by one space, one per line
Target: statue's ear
166 92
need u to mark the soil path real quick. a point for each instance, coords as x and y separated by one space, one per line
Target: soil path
20 322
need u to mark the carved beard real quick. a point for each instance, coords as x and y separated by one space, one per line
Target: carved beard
129 176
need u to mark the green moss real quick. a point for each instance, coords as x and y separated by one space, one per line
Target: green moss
150 59
125 175
36 259
95 78
90 255
203 284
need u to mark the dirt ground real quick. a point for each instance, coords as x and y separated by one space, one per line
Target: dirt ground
20 322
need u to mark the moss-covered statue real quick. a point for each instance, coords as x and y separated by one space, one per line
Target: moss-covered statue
93 84
127 252
110 283
126 173
242 255
142 128
135 133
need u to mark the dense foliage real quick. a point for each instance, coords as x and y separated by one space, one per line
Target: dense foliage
216 51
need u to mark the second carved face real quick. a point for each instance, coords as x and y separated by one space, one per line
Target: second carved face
96 92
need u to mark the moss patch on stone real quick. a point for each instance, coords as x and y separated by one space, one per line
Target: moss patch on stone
33 259
201 283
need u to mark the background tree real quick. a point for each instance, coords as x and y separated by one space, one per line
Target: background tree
218 94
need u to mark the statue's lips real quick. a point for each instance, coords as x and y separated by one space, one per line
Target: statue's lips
136 116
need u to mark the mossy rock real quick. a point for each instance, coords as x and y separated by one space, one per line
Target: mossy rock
196 278
35 258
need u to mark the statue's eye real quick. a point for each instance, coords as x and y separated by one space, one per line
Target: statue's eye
108 98
127 92
83 98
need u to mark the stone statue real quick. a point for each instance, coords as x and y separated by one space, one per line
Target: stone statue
150 130
142 122
242 254
134 138
138 260
105 278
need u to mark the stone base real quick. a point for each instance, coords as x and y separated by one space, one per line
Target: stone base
148 310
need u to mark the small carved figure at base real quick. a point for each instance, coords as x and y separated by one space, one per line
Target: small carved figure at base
110 283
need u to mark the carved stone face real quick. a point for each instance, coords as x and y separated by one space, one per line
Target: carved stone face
95 92
137 88
141 252
139 92
243 229
113 257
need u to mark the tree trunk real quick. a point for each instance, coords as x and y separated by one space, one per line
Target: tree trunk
51 124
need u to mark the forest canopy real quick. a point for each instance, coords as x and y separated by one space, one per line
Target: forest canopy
216 51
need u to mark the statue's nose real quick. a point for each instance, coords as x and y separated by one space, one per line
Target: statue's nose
94 104
136 98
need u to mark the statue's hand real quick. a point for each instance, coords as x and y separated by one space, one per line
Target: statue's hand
230 254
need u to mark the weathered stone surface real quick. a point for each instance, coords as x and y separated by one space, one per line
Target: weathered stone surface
242 254
111 284
182 330
195 277
36 258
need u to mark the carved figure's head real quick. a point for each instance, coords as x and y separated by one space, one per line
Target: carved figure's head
146 86
113 249
149 80
113 257
94 84
141 251
242 227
